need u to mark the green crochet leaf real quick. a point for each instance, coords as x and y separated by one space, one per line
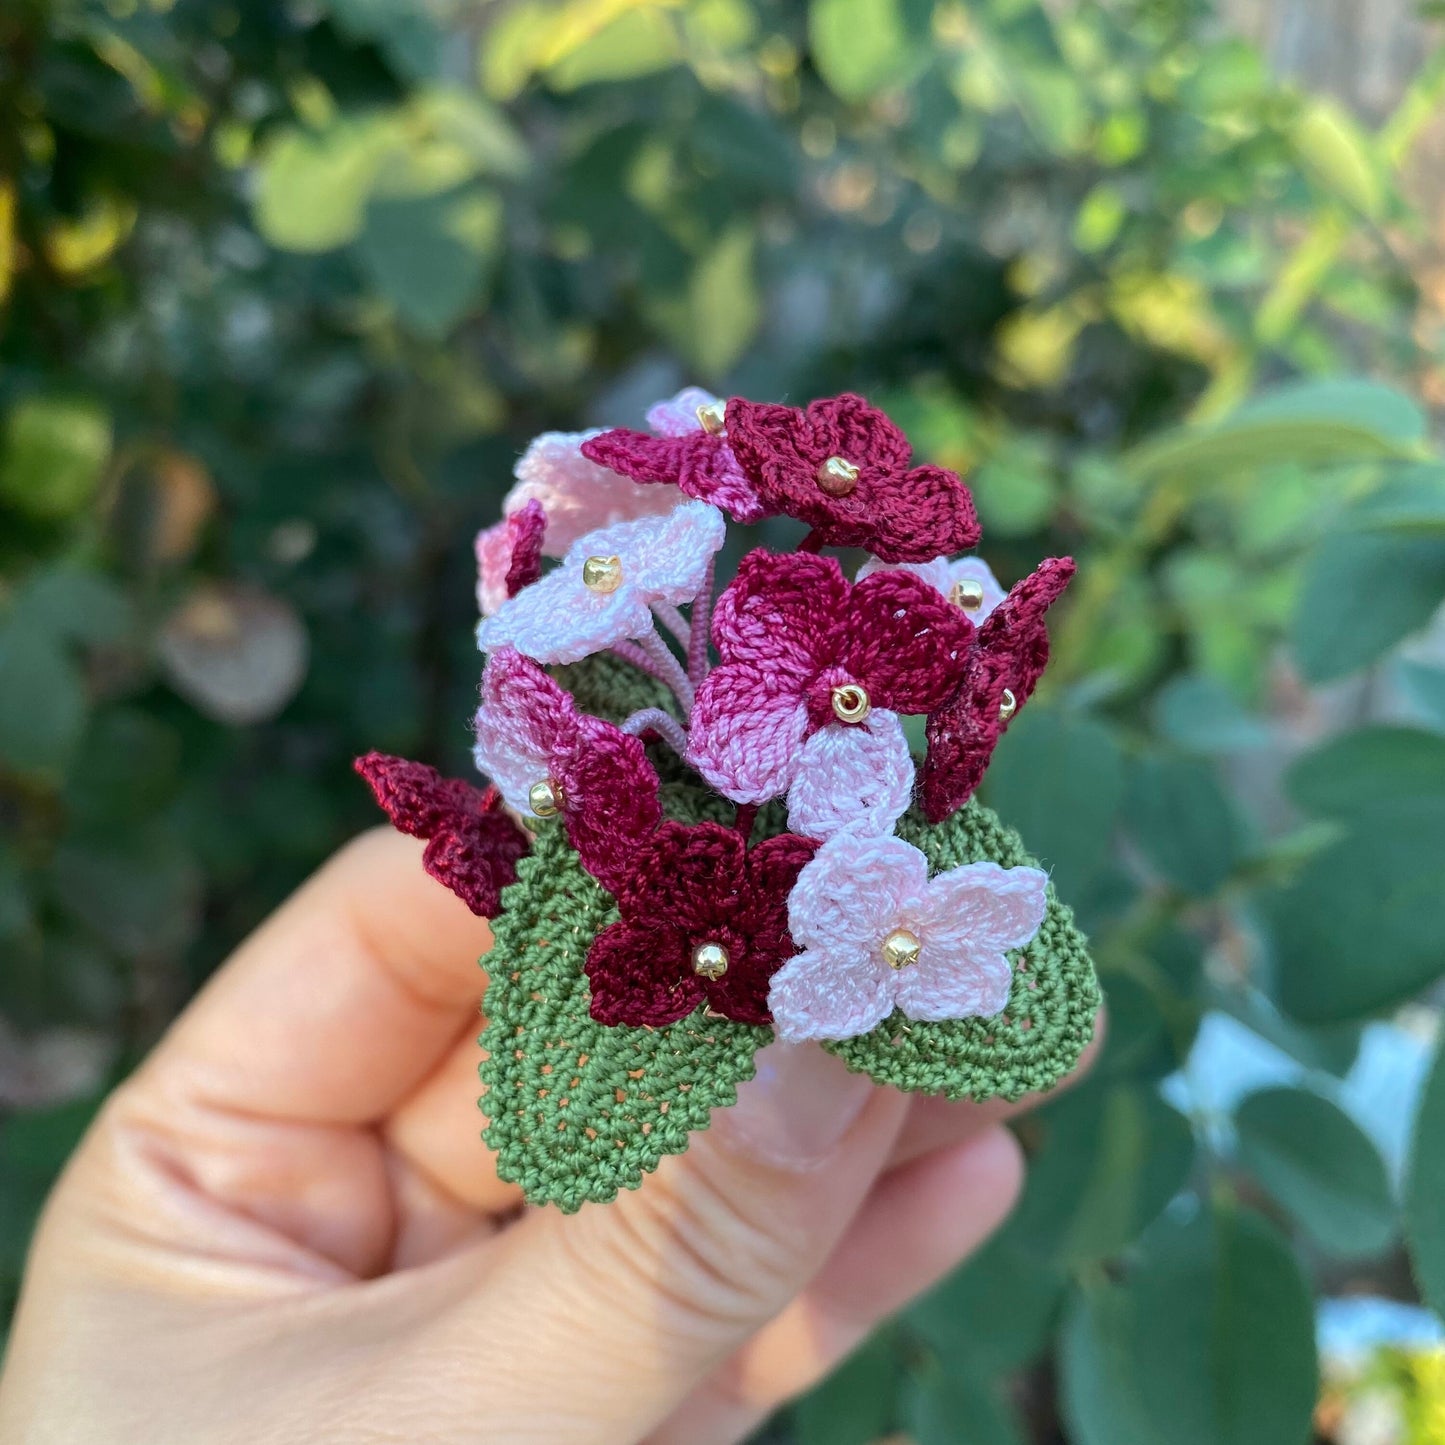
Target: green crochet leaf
577 1109
1050 1015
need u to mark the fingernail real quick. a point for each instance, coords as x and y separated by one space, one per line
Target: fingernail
797 1108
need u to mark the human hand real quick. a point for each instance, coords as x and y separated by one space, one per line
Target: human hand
282 1228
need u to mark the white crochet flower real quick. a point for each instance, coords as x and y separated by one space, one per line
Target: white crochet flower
562 618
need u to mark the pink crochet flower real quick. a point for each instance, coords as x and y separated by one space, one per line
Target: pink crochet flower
577 495
878 934
704 920
571 613
509 556
682 454
967 582
473 844
528 731
803 649
1003 670
843 467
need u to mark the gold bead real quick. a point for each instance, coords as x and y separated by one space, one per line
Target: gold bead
966 593
545 798
710 960
901 948
713 416
602 574
850 703
1008 705
838 476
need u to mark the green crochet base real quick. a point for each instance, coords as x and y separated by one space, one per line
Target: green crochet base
1050 1014
579 1110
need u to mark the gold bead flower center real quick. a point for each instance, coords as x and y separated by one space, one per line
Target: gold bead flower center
1008 705
901 948
837 476
850 703
710 960
713 417
545 798
602 574
967 594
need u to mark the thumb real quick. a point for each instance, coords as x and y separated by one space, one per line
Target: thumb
616 1313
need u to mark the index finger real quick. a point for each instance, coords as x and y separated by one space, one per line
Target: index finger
343 1001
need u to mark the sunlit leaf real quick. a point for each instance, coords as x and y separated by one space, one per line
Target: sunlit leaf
52 455
861 46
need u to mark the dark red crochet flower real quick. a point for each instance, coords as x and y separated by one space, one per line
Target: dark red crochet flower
1003 669
795 636
704 920
473 844
700 463
843 467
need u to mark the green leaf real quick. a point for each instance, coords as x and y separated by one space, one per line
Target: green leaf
1309 423
1184 822
855 1405
1201 714
312 187
1337 152
1361 929
937 1408
1099 1390
723 305
861 46
33 1149
1424 1216
1210 1339
995 1312
1016 488
1059 779
641 41
72 605
1362 594
42 701
428 255
1113 1156
1316 1163
53 455
1359 772
579 1110
1412 502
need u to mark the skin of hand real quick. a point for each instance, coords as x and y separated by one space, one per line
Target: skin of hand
282 1227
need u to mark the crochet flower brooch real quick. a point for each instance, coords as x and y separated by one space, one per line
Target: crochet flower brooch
704 826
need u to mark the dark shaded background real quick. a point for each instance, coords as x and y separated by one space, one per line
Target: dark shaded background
285 288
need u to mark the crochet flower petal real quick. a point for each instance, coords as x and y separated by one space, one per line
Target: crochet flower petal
854 893
973 915
906 641
664 559
677 416
611 799
829 994
702 465
509 556
746 733
628 985
779 611
473 846
524 725
854 778
577 495
1010 655
680 867
945 576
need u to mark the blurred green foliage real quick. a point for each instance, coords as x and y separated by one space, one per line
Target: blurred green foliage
284 288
